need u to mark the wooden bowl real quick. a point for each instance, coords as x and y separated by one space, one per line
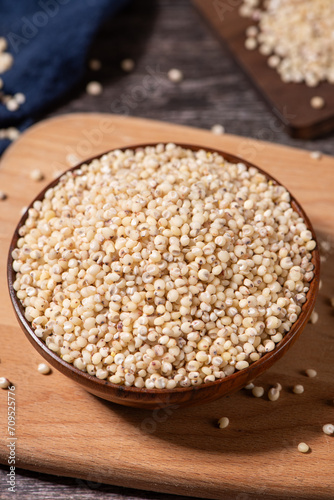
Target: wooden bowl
178 397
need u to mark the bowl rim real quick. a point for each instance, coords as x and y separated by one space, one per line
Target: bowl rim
71 371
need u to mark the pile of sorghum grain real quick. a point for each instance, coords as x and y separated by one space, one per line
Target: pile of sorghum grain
297 35
163 267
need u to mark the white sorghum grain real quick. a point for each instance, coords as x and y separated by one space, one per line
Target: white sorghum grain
12 105
273 394
303 447
44 369
175 75
317 102
94 88
3 44
36 175
217 129
163 267
297 37
328 429
94 64
19 98
127 65
311 373
4 383
251 43
258 391
314 317
316 155
223 422
250 386
298 389
6 61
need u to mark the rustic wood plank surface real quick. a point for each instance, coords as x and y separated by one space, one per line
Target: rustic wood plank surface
61 429
159 35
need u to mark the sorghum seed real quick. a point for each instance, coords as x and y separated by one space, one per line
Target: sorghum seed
316 155
314 317
36 175
175 75
44 368
223 422
4 383
217 129
273 394
298 389
328 429
311 373
317 102
127 65
95 64
94 88
258 391
303 447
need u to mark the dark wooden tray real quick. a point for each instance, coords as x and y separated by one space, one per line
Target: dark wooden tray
290 102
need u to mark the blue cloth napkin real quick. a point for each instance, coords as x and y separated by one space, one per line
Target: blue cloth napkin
49 40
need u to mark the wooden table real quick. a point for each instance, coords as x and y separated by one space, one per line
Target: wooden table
160 35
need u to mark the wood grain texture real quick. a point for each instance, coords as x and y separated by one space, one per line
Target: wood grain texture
61 429
289 101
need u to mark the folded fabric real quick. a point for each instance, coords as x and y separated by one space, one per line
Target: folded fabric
49 41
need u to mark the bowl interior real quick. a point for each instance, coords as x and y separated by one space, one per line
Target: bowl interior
133 396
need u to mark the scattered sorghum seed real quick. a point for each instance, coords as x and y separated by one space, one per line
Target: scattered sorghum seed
314 317
12 105
311 373
250 386
19 98
316 155
317 102
273 394
127 65
298 389
278 386
44 369
175 75
162 267
94 88
3 196
36 175
303 447
3 44
95 64
273 61
6 61
223 422
325 246
217 129
258 391
252 31
4 383
251 43
328 429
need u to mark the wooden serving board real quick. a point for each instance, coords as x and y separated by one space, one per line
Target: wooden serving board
61 429
289 101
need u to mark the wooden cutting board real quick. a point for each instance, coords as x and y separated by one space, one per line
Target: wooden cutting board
61 429
289 101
